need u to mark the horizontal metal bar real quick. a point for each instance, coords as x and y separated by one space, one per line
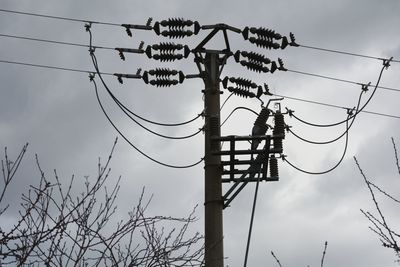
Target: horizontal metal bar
240 152
242 162
248 152
221 26
191 76
236 171
213 51
130 50
128 76
268 179
241 137
138 27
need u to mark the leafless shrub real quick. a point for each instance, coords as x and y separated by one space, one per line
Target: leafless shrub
379 224
57 227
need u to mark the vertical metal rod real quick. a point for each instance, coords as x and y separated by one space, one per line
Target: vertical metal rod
268 141
251 220
213 205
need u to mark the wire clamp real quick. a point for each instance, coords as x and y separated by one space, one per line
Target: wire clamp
290 112
92 76
88 26
350 111
386 62
364 87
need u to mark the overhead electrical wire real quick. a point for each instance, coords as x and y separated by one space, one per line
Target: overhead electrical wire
99 47
357 111
162 124
52 41
331 169
135 147
344 52
349 117
340 80
234 110
58 17
111 48
125 110
225 101
335 106
335 139
50 67
116 128
119 25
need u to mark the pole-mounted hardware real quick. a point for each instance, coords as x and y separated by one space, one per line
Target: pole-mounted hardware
235 166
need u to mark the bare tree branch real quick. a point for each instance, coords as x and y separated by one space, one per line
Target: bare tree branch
388 236
57 227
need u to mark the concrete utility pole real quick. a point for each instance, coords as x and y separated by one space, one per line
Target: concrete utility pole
213 204
232 168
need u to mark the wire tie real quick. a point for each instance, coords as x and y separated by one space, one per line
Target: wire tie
88 26
350 111
364 87
386 62
92 49
92 76
290 112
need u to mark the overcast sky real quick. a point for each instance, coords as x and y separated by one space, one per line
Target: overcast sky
57 113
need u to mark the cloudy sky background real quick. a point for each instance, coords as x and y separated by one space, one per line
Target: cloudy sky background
57 113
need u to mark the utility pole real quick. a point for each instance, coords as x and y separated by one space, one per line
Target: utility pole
213 204
233 166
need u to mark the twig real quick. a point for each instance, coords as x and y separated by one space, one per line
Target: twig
277 260
323 254
395 155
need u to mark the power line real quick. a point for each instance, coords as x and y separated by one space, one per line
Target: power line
358 110
116 24
58 17
111 74
132 145
50 67
332 168
339 80
52 41
345 53
94 60
335 106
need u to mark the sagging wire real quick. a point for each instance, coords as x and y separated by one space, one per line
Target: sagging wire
138 123
234 110
91 76
284 157
335 139
364 88
226 100
128 112
343 52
